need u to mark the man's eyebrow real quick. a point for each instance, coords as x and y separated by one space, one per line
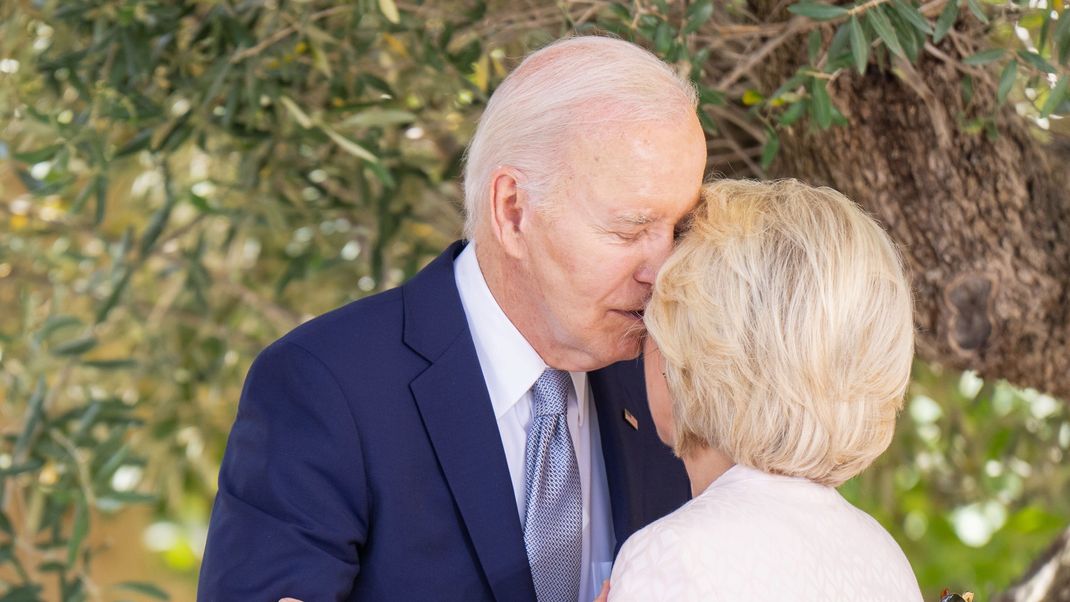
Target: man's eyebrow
635 219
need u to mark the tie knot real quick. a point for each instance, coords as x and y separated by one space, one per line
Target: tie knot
550 393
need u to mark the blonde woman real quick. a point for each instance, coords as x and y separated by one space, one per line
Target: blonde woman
780 350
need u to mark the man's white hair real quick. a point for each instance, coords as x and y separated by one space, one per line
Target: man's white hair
557 92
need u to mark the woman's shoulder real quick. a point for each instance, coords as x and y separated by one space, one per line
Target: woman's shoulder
753 528
697 533
662 561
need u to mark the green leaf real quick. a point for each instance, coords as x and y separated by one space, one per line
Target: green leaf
299 115
349 146
381 85
709 96
813 46
967 89
697 16
138 142
112 464
1061 38
911 39
156 225
911 15
390 11
698 61
1045 30
818 11
75 347
663 37
41 154
113 298
793 113
904 30
1036 60
984 57
54 324
1056 96
384 174
620 11
884 29
83 196
466 57
178 133
375 117
115 364
23 593
790 85
34 411
859 45
820 103
975 8
142 587
73 589
100 185
770 149
29 466
53 566
838 46
838 118
79 531
946 20
1006 81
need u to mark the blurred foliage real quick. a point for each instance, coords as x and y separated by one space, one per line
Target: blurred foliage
974 484
181 182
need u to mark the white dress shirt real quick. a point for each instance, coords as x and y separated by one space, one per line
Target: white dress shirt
510 367
767 538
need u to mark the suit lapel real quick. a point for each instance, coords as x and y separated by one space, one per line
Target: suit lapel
456 410
613 395
645 481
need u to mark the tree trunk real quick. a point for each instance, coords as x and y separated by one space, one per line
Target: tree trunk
983 220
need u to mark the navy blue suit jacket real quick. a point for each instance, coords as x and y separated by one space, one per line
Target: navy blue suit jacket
365 462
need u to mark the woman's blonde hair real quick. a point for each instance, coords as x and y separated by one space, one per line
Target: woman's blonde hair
785 319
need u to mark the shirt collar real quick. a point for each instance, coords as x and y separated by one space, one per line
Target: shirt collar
510 364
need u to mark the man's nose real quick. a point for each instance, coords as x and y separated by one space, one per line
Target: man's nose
656 255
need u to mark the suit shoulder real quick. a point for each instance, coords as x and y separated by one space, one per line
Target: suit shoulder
359 322
365 326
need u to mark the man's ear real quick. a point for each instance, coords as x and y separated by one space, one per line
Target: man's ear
510 211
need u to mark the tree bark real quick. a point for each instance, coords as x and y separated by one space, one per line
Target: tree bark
983 220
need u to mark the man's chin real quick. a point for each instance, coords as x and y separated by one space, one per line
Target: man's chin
595 353
629 348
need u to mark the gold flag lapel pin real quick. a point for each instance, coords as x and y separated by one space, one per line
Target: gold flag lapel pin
631 420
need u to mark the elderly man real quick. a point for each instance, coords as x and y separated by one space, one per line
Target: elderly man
455 438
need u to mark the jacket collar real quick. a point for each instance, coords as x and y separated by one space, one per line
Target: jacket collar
451 395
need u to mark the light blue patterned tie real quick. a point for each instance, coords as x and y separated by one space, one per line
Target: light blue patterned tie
554 516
